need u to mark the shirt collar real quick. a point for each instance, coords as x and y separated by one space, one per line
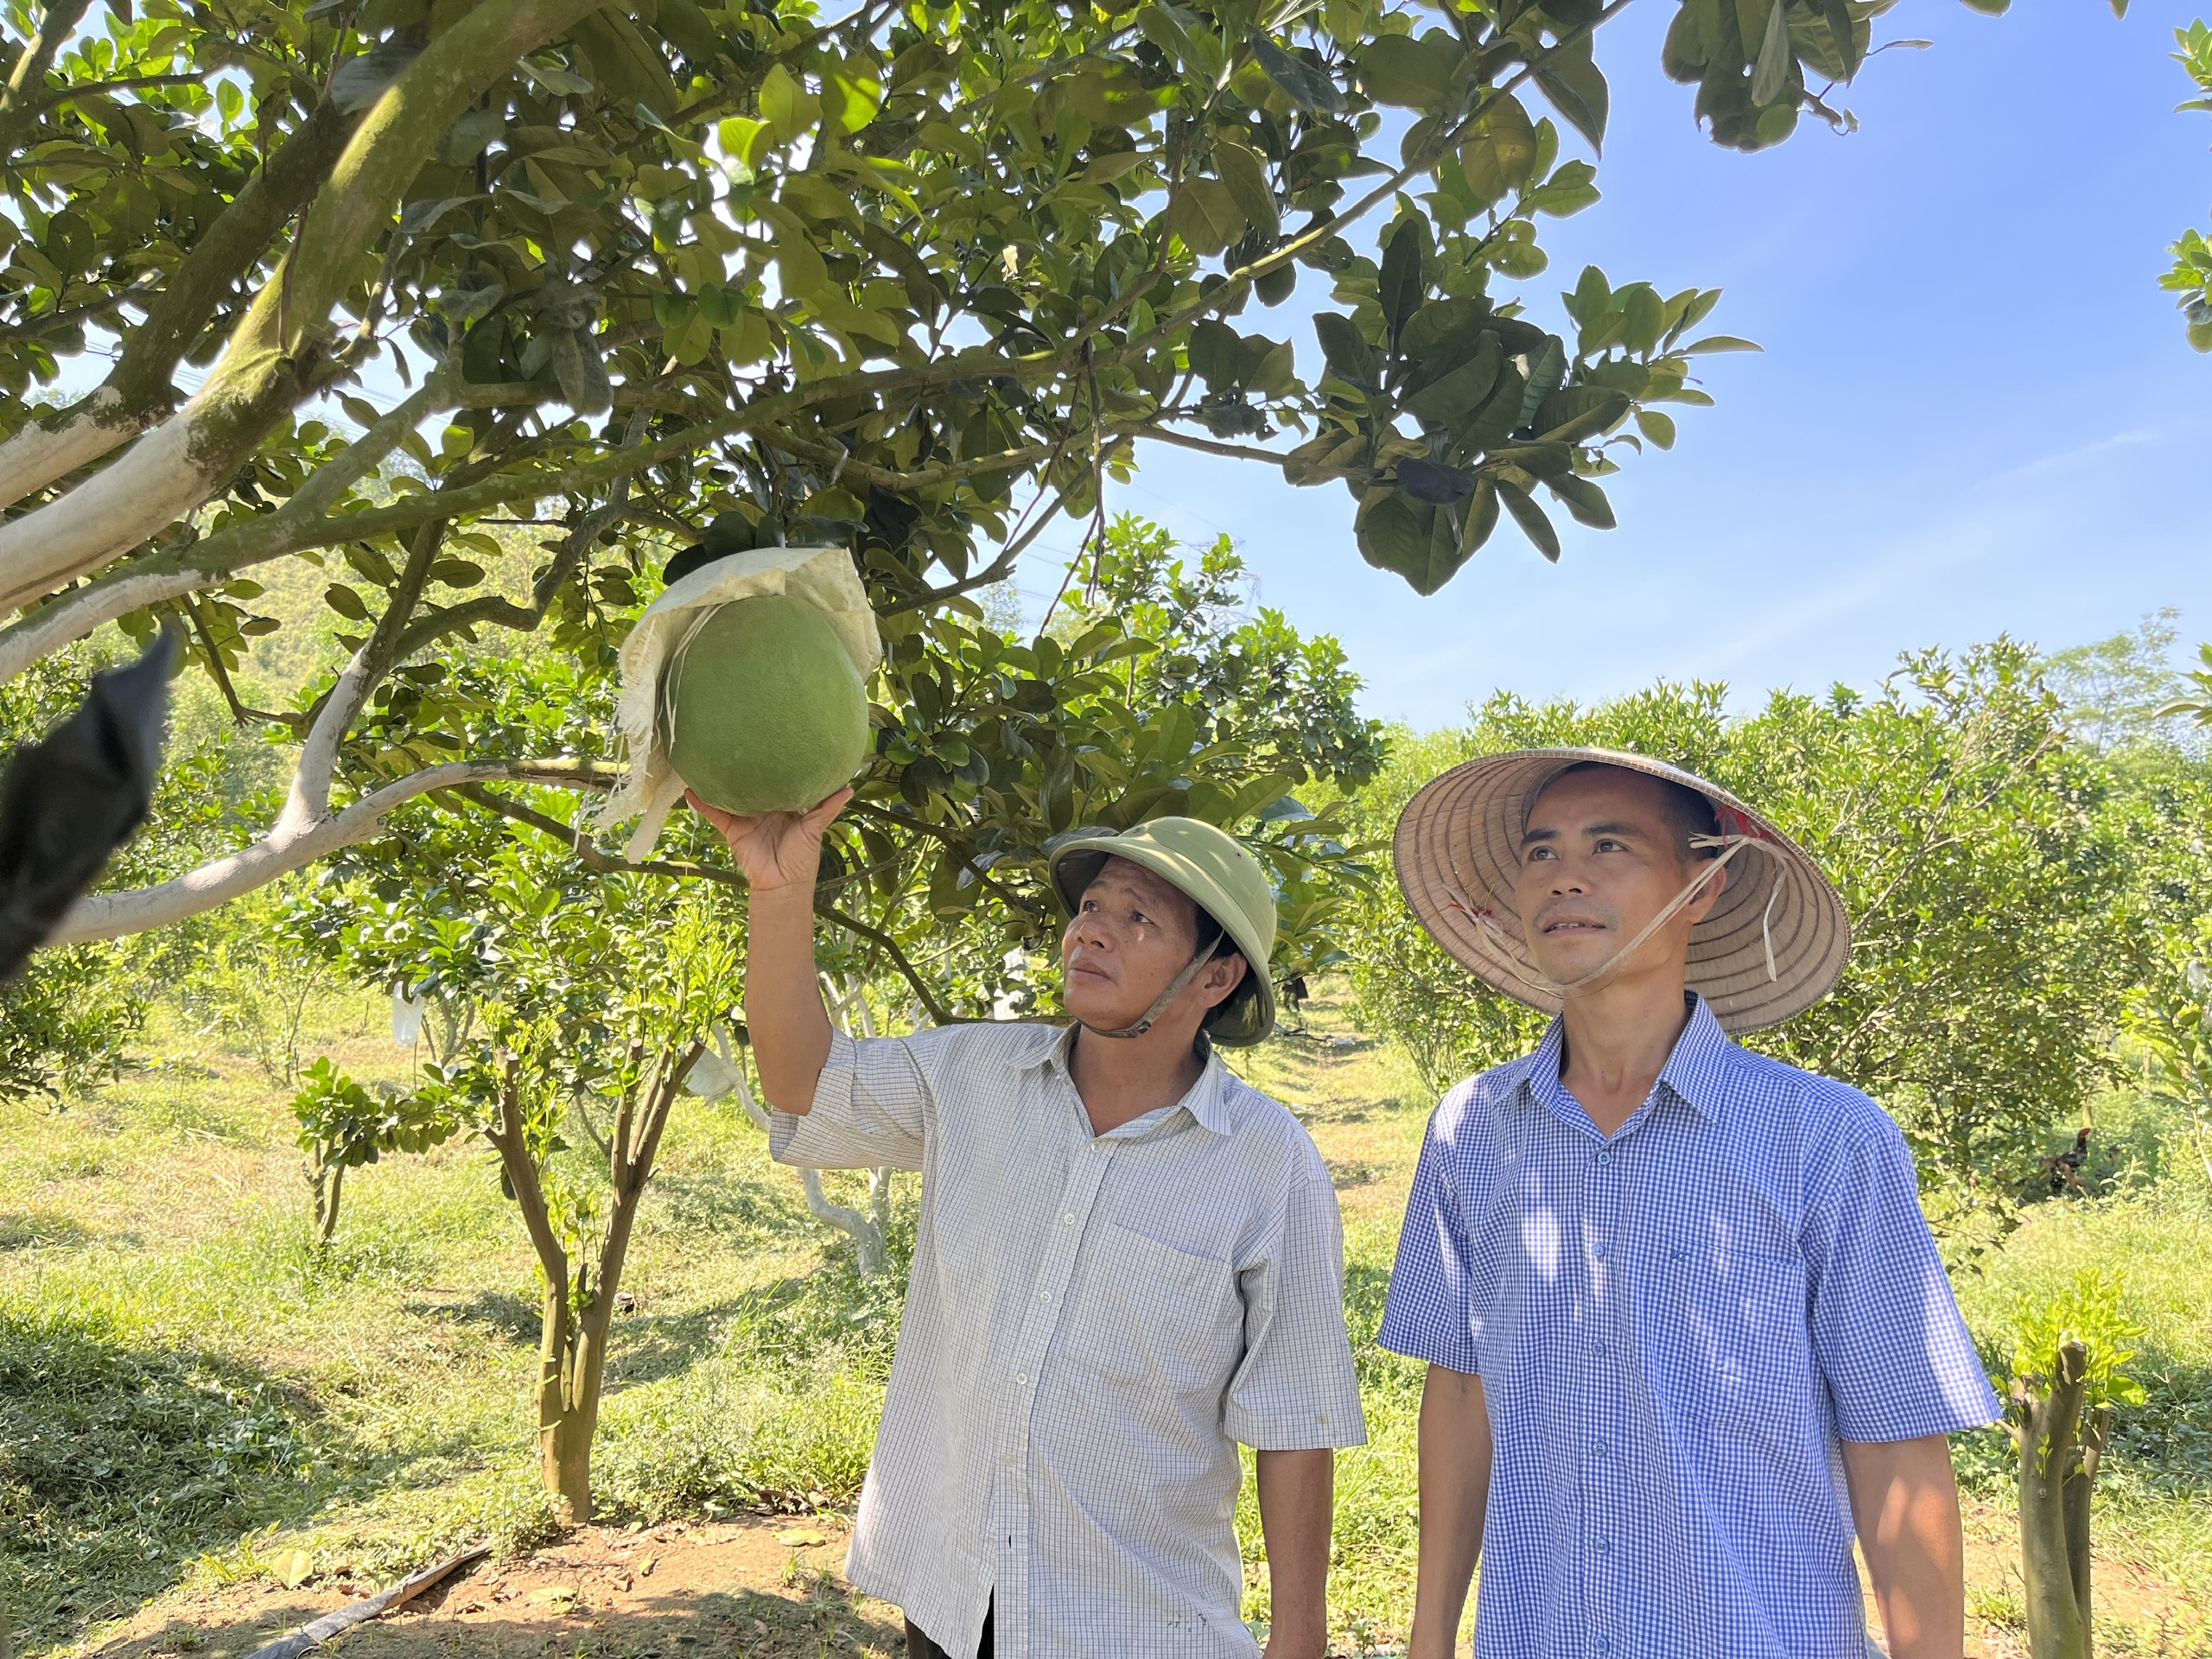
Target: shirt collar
1693 1071
1207 1101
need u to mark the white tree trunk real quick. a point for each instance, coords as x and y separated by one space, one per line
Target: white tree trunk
289 846
35 456
866 1232
52 626
141 493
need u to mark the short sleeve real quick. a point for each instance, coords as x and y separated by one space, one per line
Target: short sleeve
1429 1314
1296 1390
870 1109
1887 1332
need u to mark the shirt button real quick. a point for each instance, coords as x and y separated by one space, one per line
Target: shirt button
1601 1349
1068 1220
1044 1295
1602 1644
1604 1546
1022 1379
1598 1448
1601 1252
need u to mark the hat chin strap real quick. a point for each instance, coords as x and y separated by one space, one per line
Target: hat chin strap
1175 989
1731 845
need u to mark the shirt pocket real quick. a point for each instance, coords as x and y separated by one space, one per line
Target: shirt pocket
1151 1313
1726 1338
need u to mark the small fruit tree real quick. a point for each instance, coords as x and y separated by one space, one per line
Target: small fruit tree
2066 1376
912 278
583 987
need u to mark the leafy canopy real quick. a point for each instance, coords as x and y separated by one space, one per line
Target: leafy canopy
915 279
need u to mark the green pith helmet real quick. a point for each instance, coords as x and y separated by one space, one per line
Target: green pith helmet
1218 873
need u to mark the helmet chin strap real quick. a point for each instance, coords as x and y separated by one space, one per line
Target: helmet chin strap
1175 988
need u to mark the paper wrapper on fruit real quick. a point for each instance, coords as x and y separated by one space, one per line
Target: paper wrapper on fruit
822 576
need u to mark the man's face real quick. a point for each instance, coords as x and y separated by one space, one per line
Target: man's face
1600 859
1132 932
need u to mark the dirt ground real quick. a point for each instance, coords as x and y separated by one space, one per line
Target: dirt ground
754 1589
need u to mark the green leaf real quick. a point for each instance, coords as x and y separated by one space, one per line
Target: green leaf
1574 413
1837 13
1583 499
1401 285
1659 427
1530 517
1205 215
1308 86
1576 87
1547 368
1415 74
851 94
1346 349
1159 25
1771 76
744 138
344 600
1451 396
1722 343
1501 150
1246 176
1482 518
1217 354
787 106
1417 541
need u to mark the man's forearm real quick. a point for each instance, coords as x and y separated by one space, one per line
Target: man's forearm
1297 1498
1905 1498
783 1000
1455 1463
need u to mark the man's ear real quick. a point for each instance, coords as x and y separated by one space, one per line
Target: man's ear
1221 978
1708 895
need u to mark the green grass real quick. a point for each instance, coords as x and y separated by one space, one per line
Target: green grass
183 1381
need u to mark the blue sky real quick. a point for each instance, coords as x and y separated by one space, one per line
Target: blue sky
1975 411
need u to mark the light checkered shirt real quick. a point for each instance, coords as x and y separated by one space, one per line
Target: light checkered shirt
1674 1326
1092 1323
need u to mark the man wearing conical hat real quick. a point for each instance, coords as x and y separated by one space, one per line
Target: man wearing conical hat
1128 1262
1687 1332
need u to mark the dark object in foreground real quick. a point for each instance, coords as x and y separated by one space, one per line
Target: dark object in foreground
69 800
360 1612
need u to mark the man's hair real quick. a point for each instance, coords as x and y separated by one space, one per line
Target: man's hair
1686 812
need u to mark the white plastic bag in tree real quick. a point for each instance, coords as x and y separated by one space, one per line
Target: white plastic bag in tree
821 577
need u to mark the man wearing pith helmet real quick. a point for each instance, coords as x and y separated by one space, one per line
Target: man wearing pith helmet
1128 1263
1687 1332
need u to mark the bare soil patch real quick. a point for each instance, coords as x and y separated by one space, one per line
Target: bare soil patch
750 1589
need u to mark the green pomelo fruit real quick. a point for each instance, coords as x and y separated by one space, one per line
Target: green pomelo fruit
764 710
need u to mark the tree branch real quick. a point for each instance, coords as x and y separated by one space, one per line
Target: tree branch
110 915
140 387
54 95
589 854
16 110
308 801
298 524
1240 280
279 352
1213 446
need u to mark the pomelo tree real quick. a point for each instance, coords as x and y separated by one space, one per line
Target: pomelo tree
915 278
582 991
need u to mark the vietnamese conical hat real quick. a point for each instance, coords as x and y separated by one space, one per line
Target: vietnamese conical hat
1772 946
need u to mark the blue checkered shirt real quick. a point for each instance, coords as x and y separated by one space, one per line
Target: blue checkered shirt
1676 1324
